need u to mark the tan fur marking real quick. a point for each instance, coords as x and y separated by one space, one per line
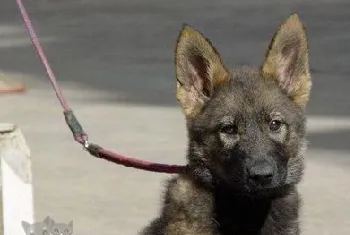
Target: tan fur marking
188 219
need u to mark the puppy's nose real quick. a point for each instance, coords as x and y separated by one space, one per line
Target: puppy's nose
260 172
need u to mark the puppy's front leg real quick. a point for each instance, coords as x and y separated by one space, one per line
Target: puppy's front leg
188 209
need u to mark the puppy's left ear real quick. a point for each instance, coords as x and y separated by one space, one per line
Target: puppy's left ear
287 60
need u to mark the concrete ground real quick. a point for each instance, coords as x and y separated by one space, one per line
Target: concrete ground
114 60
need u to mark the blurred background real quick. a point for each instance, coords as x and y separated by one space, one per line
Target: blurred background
114 60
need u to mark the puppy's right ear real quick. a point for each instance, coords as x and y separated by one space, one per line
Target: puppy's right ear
199 70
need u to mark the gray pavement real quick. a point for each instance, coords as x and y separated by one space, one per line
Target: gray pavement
114 60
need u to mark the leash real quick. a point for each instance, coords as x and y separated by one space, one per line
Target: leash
78 133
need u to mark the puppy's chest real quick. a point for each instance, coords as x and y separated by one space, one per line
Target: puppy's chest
237 217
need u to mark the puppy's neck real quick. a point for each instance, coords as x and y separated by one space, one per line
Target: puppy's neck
236 213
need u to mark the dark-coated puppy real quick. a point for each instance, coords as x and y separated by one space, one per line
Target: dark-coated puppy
246 131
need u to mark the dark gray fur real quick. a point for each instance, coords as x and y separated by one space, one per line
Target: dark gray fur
230 125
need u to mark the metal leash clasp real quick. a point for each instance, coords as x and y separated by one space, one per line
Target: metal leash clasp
86 145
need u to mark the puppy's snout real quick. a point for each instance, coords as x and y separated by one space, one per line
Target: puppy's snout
260 172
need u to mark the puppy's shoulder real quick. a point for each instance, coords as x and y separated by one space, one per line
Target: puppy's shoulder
184 195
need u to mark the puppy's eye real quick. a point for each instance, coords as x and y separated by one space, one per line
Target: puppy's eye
275 125
229 130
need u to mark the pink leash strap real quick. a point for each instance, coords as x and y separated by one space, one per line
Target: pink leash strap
73 123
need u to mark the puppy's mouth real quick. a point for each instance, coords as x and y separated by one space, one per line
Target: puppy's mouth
267 192
244 185
257 183
240 187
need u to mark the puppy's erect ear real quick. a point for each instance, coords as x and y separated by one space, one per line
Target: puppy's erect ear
287 60
199 70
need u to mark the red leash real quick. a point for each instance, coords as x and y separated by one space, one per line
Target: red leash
78 133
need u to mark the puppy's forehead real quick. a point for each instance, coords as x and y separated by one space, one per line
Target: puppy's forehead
249 92
248 96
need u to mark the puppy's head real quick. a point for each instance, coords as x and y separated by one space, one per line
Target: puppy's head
246 126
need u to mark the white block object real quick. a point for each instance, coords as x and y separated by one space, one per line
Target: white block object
16 179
